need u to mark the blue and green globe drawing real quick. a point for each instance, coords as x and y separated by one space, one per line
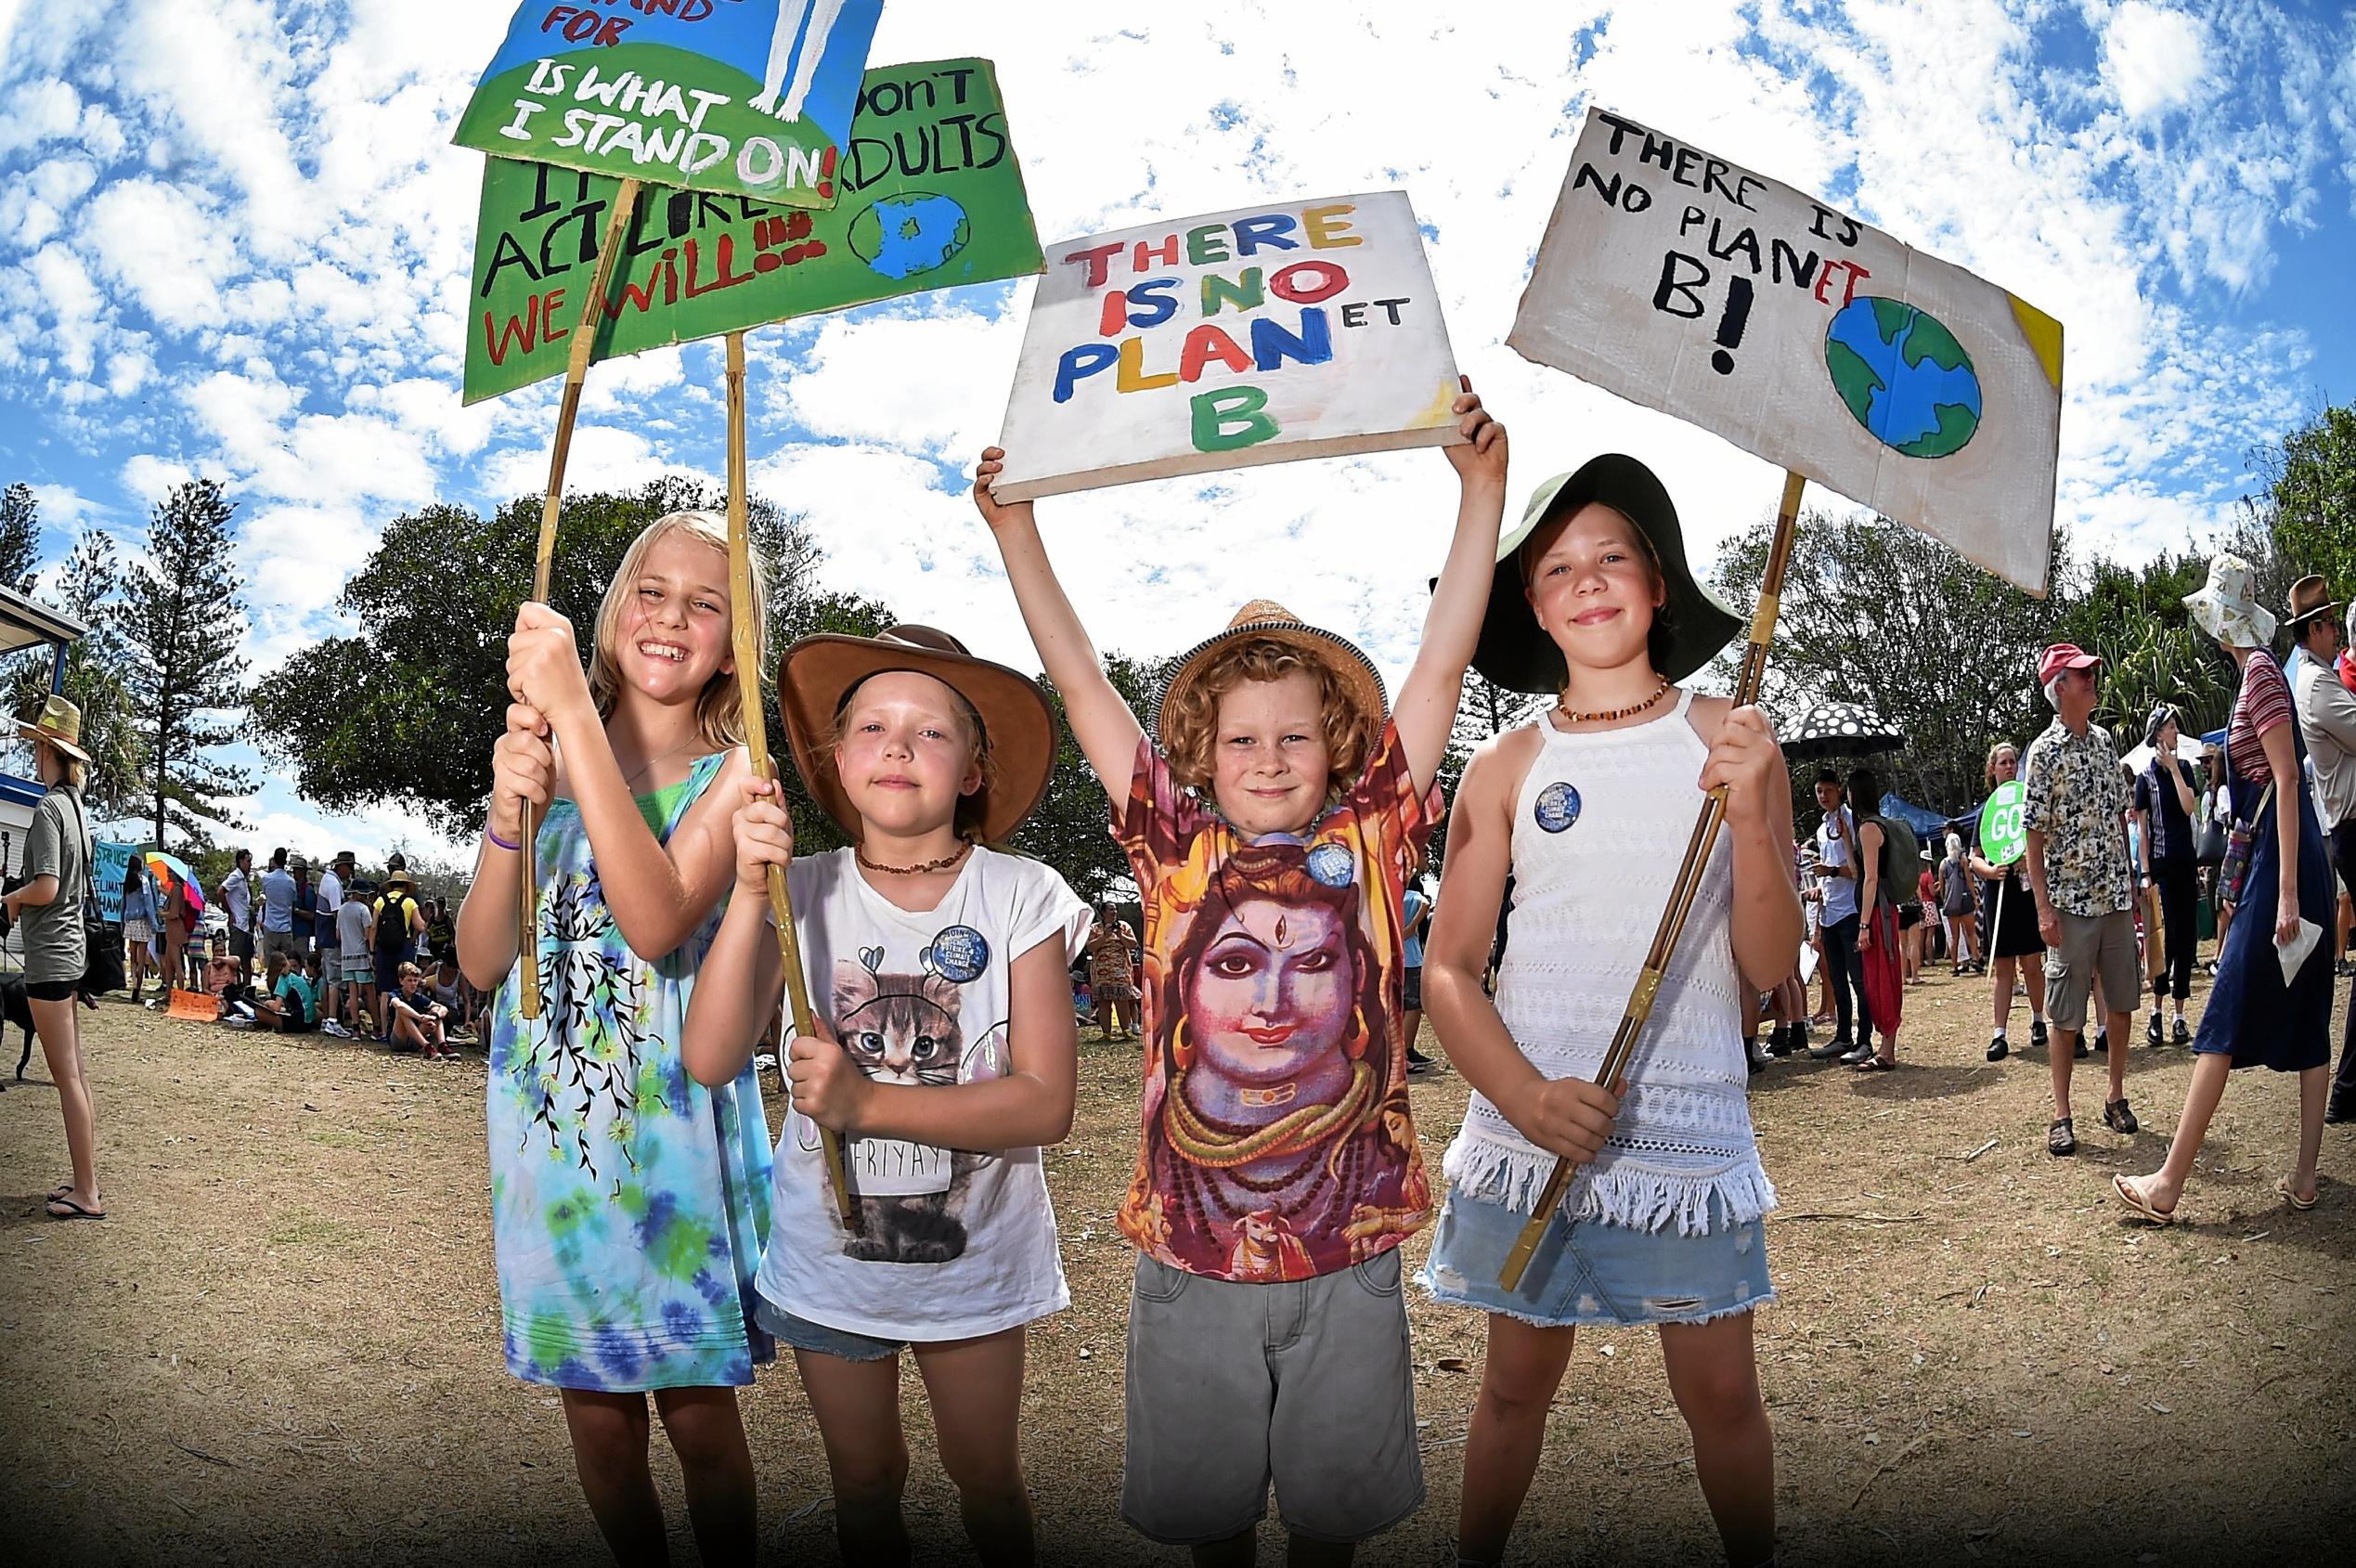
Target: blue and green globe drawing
1903 376
913 231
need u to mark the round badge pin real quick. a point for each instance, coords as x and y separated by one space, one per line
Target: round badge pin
959 954
1332 864
1558 808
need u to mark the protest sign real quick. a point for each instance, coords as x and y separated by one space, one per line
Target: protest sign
2003 823
932 196
1288 330
752 96
1690 284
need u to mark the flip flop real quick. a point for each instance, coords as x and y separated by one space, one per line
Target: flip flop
2290 1195
1875 1064
73 1210
2142 1207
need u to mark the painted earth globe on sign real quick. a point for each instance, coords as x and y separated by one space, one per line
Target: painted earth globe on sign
912 232
1903 376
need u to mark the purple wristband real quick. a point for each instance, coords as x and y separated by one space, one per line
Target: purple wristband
492 834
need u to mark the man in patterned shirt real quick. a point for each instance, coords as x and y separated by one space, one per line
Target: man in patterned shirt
2078 870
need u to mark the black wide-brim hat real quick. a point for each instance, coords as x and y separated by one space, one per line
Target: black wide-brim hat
818 674
1516 652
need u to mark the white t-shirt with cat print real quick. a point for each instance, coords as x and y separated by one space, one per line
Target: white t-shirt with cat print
948 1244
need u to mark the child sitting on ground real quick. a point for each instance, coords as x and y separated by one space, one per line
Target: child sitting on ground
292 1006
417 1018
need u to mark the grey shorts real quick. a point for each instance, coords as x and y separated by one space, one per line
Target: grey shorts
276 943
1306 1384
2091 946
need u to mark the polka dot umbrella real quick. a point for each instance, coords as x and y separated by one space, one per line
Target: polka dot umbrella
1839 730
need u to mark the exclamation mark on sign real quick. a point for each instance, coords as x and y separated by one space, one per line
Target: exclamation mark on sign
1738 312
826 174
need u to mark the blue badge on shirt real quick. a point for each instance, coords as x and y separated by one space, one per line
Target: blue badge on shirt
1333 865
1558 808
959 954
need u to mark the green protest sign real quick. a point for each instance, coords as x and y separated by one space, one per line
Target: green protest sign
2003 840
932 197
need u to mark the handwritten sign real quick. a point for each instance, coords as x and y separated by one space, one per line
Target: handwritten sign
1690 284
750 96
932 197
1293 329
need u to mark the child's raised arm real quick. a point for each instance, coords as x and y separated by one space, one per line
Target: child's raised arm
659 892
738 987
1101 721
1427 708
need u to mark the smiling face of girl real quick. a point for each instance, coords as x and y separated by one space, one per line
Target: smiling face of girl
1272 991
1595 590
907 752
673 635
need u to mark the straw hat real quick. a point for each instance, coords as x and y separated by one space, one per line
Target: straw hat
818 674
60 723
1515 651
2227 609
2308 598
1267 620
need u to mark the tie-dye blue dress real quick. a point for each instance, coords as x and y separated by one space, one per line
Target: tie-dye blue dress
630 1204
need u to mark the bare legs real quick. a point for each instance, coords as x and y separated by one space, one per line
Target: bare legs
1714 1377
609 1433
61 1035
2004 969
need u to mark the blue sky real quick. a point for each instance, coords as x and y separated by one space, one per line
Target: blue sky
236 243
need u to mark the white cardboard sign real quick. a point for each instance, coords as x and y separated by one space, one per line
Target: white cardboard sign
1690 284
1288 330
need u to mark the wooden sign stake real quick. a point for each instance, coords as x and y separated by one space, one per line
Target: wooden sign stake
576 371
1689 882
748 685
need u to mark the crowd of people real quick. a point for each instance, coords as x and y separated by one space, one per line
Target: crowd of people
1275 805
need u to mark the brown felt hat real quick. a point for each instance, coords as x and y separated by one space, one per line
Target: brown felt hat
1265 620
817 676
2309 597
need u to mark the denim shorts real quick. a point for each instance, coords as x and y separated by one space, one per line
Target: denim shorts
1586 1272
800 1333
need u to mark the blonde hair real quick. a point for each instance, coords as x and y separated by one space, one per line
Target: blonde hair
2001 746
720 709
1190 719
972 808
70 770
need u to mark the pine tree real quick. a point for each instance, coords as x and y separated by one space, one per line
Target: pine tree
87 588
182 620
20 537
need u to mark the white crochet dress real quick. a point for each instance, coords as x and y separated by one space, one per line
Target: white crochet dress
1600 824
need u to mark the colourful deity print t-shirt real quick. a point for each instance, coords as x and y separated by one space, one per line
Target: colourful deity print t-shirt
947 1244
1276 1142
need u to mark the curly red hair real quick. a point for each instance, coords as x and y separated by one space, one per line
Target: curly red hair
1190 720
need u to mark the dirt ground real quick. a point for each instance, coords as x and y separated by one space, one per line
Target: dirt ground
283 1346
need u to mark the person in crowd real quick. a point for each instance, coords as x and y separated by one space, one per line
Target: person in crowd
197 951
2256 1014
46 904
140 922
363 1009
179 922
2167 800
397 923
240 893
327 941
634 848
441 931
1958 907
1419 908
1272 812
1112 956
2326 713
1838 879
2008 922
2217 819
419 1023
1886 854
1083 1000
2079 874
955 1280
1592 804
306 906
1917 924
291 1003
448 990
277 911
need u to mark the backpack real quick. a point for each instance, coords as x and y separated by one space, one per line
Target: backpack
1901 862
393 934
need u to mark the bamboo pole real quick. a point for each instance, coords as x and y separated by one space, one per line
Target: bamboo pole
575 371
748 686
1689 882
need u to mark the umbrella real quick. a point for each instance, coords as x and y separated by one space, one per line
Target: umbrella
171 869
1840 730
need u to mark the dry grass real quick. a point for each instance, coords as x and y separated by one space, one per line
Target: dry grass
284 1347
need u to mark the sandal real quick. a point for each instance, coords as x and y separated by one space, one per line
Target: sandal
2141 1206
2117 1117
1876 1064
2290 1195
2061 1137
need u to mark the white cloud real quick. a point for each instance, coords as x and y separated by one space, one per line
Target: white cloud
2156 59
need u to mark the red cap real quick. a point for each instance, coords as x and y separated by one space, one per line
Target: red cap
2063 657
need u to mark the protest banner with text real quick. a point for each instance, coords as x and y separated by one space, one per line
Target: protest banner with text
1289 330
932 198
1690 284
750 96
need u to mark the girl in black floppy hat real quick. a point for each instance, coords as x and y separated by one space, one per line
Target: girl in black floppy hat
1589 809
938 974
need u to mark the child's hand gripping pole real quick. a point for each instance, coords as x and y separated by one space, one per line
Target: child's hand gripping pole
527 946
1681 897
743 634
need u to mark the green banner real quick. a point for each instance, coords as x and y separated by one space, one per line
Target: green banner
2003 838
932 197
